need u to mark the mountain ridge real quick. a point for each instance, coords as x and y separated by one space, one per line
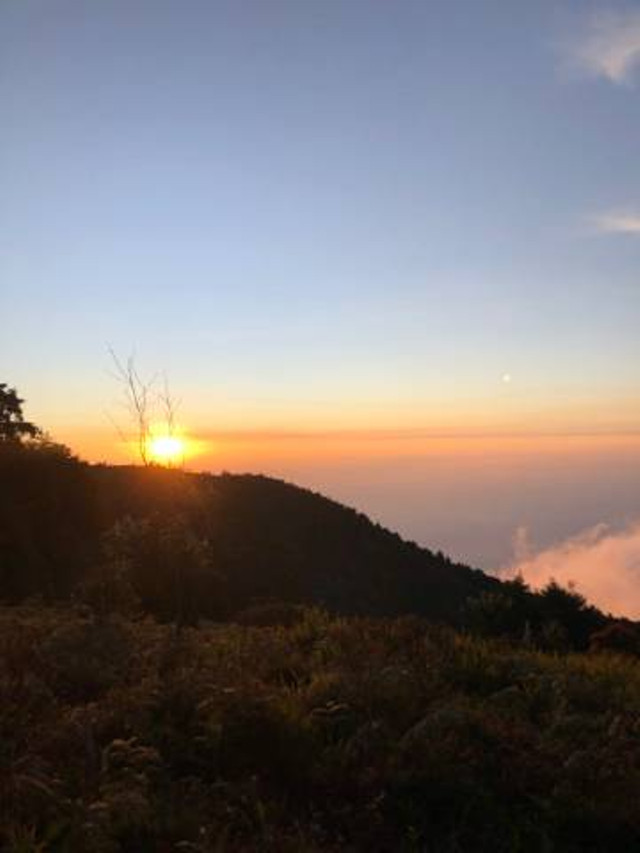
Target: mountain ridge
268 538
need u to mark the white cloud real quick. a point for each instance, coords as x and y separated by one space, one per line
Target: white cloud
617 222
603 564
609 46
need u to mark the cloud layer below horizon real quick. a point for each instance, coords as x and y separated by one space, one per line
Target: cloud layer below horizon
604 565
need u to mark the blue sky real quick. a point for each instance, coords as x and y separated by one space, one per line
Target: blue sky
324 213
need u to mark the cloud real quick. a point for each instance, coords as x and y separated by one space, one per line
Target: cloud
617 222
604 565
609 45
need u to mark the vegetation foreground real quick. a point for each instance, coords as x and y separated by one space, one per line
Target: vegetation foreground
125 734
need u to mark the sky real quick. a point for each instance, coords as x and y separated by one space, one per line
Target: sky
388 250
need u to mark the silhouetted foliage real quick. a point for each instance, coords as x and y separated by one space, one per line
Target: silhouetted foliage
619 637
169 568
268 614
555 619
569 610
13 426
48 526
334 734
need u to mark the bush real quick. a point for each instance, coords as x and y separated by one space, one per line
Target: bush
123 734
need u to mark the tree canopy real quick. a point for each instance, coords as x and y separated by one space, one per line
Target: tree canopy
13 426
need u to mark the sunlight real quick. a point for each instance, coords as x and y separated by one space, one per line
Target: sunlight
167 449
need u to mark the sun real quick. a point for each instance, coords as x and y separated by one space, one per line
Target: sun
167 449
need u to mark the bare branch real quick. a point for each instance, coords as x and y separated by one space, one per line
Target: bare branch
137 397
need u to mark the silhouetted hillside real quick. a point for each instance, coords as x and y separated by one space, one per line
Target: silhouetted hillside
262 538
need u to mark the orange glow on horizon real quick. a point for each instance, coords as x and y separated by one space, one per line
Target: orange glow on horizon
172 449
262 450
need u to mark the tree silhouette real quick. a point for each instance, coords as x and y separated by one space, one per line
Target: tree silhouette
137 393
143 405
13 426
